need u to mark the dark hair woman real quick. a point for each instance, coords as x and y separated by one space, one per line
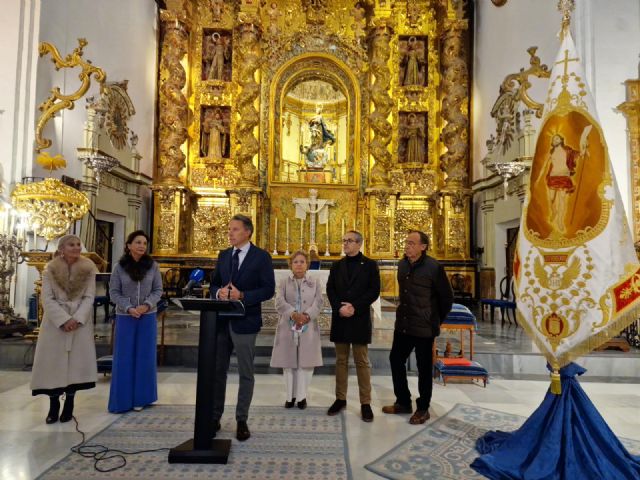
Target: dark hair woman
135 288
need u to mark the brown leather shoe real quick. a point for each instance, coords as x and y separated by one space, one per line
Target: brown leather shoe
419 417
243 433
396 408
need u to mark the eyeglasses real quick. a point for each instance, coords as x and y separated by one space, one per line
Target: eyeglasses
349 240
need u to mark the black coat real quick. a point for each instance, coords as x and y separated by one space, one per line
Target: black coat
426 297
360 290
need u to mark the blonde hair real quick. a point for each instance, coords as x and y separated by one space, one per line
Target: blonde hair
62 241
299 253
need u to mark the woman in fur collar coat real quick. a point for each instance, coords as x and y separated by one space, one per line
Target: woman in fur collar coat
135 287
65 359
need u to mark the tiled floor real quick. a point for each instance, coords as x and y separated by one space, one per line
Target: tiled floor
28 446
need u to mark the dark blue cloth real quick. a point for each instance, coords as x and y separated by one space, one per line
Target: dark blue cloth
564 439
255 279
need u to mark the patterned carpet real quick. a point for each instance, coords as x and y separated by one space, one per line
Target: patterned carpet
284 444
445 448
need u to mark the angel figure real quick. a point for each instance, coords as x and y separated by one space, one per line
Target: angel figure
274 14
217 9
359 22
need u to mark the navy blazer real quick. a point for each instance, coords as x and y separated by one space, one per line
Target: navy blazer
255 280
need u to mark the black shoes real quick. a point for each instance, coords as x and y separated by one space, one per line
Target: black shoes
337 406
302 404
243 433
290 404
54 410
367 413
67 410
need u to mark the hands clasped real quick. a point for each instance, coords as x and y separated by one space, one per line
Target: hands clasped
138 311
70 325
346 310
300 319
229 292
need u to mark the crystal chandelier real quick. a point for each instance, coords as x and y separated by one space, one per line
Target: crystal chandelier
50 205
96 160
507 170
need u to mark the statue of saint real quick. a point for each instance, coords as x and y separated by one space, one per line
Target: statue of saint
214 128
219 53
414 135
412 63
316 154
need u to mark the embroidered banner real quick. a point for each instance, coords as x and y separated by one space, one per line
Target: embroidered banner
576 271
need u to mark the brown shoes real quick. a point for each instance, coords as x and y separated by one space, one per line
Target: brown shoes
419 417
396 408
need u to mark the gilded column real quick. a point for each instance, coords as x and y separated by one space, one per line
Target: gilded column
382 102
631 110
170 195
248 64
455 101
174 110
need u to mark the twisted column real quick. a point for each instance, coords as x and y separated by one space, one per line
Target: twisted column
382 103
174 110
249 62
455 101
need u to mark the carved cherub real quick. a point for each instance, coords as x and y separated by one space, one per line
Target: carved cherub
359 21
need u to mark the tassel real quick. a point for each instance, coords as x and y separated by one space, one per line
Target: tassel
556 385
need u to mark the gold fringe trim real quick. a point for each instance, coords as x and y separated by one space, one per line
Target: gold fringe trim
613 328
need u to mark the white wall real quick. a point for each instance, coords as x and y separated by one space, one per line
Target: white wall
607 35
122 40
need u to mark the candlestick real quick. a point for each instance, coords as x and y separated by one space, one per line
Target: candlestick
302 234
341 237
275 238
287 239
326 252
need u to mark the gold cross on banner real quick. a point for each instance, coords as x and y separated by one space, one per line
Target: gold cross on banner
566 61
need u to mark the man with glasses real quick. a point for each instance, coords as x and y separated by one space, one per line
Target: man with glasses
353 285
426 298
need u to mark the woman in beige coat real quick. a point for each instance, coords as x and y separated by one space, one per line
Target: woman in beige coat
65 359
297 345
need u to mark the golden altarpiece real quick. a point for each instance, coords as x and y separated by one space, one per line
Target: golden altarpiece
313 117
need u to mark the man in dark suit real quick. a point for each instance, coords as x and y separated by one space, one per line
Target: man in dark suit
243 272
353 285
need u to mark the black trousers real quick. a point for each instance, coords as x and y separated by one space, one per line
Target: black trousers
400 351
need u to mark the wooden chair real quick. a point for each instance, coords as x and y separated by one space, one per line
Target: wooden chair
506 302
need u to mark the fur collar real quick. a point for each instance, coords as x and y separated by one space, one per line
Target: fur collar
72 280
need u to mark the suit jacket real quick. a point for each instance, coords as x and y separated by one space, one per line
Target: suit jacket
255 280
361 290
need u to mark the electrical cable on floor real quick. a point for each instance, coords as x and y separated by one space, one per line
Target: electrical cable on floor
100 453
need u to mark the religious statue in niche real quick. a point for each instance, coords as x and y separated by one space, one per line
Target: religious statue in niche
316 155
412 66
413 138
216 57
214 137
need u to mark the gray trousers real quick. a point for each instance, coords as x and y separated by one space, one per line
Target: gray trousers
245 348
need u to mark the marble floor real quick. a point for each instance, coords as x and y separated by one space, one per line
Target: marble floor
28 446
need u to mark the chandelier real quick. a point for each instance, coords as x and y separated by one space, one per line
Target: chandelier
50 205
99 162
507 170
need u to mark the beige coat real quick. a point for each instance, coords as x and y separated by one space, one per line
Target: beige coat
66 358
309 351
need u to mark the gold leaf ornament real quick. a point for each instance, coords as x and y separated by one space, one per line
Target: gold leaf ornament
51 163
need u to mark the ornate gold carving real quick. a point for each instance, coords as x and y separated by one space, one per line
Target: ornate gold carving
210 228
455 86
51 206
457 238
174 110
382 229
166 234
418 217
631 110
57 100
383 104
249 62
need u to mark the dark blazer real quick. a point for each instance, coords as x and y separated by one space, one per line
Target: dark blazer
255 280
361 290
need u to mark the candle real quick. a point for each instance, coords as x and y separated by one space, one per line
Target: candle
342 230
287 232
327 230
275 237
301 233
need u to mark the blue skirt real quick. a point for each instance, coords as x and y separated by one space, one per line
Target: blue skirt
134 374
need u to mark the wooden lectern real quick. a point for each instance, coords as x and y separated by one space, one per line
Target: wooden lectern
203 448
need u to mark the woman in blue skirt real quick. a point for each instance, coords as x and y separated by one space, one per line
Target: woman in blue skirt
135 288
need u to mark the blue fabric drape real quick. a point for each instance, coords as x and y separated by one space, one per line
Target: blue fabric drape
565 438
134 372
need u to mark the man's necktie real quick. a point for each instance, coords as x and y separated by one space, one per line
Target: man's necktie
235 264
